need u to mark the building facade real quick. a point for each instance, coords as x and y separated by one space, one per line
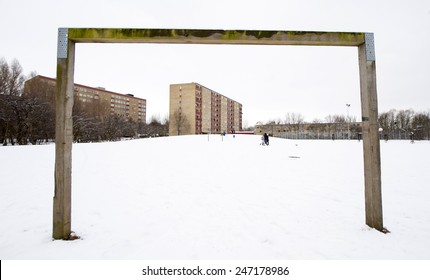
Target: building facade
92 99
195 109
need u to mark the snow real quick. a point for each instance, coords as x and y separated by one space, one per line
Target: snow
213 197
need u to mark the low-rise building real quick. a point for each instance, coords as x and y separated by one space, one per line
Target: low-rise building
344 130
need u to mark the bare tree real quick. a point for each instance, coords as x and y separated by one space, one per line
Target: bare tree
295 121
166 124
155 119
179 122
155 127
4 76
421 125
335 119
399 124
11 78
387 121
13 111
25 119
404 119
113 127
41 122
16 79
294 118
7 120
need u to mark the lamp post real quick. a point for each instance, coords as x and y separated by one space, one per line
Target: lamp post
347 119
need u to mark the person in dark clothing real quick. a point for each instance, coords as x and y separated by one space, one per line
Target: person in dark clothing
266 139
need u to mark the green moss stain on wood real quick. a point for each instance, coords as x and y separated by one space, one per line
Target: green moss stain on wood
351 37
194 35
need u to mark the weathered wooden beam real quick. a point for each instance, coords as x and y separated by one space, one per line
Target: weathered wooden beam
63 138
370 125
196 36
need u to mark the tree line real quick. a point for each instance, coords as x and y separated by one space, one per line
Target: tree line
27 114
394 124
403 124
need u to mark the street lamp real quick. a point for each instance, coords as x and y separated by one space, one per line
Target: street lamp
347 119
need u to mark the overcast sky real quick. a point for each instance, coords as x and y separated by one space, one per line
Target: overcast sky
269 81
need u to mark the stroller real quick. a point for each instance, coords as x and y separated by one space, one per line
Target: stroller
265 140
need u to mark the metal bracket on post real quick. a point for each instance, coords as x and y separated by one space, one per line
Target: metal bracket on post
370 46
62 42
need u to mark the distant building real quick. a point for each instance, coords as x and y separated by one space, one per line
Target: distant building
344 130
195 109
95 100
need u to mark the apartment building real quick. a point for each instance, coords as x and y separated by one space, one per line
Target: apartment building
93 98
196 109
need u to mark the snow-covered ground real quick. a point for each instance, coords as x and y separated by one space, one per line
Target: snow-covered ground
200 197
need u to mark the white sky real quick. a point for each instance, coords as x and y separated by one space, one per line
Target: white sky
269 81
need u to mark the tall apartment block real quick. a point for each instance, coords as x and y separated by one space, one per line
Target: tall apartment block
195 109
106 102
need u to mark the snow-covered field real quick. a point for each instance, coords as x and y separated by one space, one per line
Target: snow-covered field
200 197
